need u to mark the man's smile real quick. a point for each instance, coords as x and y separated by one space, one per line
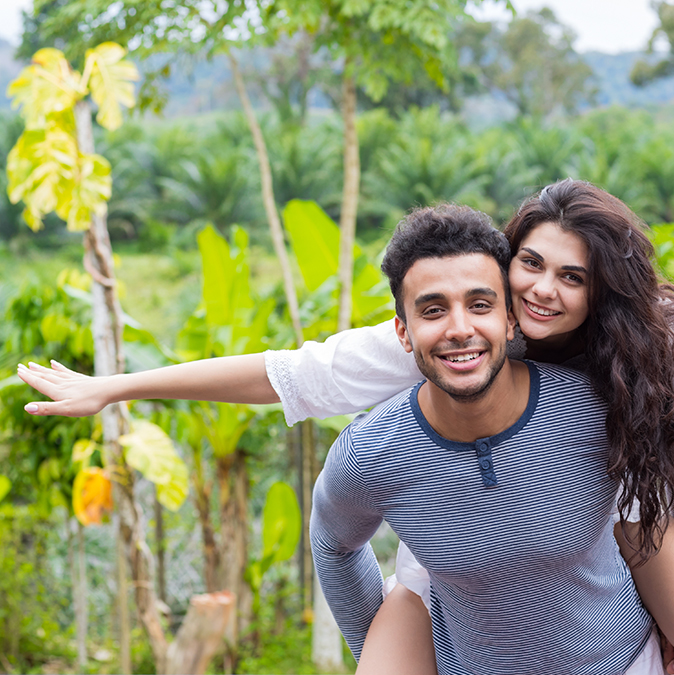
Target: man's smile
463 361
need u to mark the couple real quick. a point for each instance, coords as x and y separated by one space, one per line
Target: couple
493 471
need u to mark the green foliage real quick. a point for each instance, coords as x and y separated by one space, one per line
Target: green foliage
46 168
148 449
281 531
662 236
644 71
315 241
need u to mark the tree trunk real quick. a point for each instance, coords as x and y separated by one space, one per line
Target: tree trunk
326 640
161 546
202 498
107 329
269 201
81 604
200 635
308 453
347 222
233 483
123 604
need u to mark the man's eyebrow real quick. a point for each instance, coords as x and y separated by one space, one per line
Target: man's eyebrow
541 259
429 297
490 292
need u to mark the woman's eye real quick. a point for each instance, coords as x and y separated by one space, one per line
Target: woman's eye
531 262
574 278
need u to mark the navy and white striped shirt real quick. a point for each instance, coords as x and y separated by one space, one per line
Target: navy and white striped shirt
514 530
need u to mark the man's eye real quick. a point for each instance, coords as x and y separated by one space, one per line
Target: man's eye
481 305
432 310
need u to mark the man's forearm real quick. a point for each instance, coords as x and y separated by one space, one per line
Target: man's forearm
352 584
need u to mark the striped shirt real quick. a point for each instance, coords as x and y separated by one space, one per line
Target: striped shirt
514 530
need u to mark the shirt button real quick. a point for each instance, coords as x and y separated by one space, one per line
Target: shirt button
485 464
484 446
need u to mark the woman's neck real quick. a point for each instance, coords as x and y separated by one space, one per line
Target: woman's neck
555 349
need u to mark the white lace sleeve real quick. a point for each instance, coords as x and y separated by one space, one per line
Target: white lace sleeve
350 371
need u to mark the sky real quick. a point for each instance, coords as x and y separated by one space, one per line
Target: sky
601 25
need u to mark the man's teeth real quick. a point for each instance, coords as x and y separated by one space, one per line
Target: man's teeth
540 310
463 357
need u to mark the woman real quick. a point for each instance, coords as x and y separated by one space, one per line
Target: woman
605 311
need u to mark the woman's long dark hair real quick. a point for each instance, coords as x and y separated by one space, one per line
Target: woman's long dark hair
628 342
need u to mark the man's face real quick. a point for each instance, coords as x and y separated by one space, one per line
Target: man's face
456 324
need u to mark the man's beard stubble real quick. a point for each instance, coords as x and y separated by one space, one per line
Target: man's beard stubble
431 374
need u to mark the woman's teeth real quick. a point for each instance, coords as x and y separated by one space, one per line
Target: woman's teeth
463 357
540 310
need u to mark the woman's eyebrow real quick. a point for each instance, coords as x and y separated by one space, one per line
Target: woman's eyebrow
541 259
533 253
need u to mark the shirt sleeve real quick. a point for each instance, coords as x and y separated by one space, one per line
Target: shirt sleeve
343 520
350 371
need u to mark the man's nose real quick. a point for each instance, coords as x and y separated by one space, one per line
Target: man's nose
459 326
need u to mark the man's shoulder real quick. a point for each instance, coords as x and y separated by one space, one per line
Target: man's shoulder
393 408
562 374
567 387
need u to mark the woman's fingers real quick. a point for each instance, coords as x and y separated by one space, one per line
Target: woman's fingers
48 408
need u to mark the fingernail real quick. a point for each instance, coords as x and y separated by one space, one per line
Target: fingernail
21 366
31 363
31 407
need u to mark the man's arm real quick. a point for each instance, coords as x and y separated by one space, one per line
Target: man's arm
343 519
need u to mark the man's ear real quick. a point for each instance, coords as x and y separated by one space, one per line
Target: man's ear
403 335
512 323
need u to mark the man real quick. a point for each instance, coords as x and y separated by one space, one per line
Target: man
493 472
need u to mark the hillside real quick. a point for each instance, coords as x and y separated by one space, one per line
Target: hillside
201 86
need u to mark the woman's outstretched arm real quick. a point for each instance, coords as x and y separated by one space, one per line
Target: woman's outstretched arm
231 379
400 640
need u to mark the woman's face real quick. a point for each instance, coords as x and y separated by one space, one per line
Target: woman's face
548 282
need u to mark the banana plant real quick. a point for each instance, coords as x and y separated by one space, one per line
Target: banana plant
315 241
281 530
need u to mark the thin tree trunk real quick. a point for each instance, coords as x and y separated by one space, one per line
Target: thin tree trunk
161 548
123 604
326 640
233 483
81 604
347 222
107 329
202 498
307 482
269 201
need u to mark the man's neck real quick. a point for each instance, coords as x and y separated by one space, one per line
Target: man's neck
496 411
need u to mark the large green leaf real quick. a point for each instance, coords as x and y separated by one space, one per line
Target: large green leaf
5 486
315 241
111 82
219 273
48 85
281 524
149 450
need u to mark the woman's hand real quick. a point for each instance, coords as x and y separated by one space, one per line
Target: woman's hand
72 394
